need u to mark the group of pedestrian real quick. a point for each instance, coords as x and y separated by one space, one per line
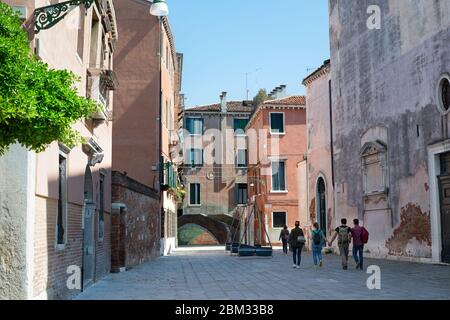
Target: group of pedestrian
296 240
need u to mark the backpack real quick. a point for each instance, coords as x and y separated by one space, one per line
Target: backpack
317 237
343 235
300 239
364 235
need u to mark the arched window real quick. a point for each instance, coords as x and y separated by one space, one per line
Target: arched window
443 93
321 205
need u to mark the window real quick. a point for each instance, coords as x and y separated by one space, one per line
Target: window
444 93
167 57
80 38
239 126
62 201
278 176
101 211
194 194
279 220
195 157
167 114
194 125
241 158
277 123
241 193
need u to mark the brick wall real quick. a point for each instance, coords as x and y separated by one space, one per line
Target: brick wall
50 264
136 230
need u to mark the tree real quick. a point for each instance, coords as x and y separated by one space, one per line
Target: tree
260 97
38 105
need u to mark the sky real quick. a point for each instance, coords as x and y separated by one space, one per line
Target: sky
274 42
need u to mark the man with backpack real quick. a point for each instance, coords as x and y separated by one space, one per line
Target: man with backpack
318 240
360 236
296 242
344 238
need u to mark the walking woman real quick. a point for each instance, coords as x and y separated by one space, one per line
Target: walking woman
284 237
318 241
296 242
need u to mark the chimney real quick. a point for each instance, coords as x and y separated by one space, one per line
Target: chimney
277 92
282 91
223 102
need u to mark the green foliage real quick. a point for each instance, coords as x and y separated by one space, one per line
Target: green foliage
260 97
180 193
38 105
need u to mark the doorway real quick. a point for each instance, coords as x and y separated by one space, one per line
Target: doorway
321 205
444 197
88 230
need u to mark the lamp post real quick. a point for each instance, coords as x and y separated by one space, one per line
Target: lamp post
46 17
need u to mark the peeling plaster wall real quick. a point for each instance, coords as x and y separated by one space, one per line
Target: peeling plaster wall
319 147
13 223
388 77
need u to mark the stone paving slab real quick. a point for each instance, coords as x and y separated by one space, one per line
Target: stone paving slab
215 275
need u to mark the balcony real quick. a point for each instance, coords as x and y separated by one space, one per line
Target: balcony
99 83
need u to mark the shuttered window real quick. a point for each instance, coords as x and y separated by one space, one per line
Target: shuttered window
194 125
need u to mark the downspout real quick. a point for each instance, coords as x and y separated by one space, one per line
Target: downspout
161 158
332 147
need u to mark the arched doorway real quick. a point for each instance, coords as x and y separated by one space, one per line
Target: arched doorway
321 205
88 230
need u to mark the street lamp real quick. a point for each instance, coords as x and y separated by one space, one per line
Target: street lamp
159 8
46 17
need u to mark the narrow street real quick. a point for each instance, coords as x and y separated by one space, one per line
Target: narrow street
213 274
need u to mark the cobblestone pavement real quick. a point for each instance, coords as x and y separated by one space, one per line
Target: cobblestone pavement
201 275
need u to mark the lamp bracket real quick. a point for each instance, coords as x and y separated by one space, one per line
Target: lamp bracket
46 17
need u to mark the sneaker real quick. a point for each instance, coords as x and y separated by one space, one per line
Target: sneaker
321 264
345 268
294 266
298 267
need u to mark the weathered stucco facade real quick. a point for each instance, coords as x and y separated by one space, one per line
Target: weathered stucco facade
67 196
389 133
218 175
320 175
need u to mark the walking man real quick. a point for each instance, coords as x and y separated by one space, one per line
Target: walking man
358 243
344 238
297 241
284 237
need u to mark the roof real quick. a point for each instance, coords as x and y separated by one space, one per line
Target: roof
288 101
232 106
317 73
291 102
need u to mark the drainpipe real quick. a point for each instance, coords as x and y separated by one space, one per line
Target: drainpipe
161 158
331 147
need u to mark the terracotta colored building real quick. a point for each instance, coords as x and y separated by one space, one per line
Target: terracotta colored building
144 207
56 206
320 165
276 136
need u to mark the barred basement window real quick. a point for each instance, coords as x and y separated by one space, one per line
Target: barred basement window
279 219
